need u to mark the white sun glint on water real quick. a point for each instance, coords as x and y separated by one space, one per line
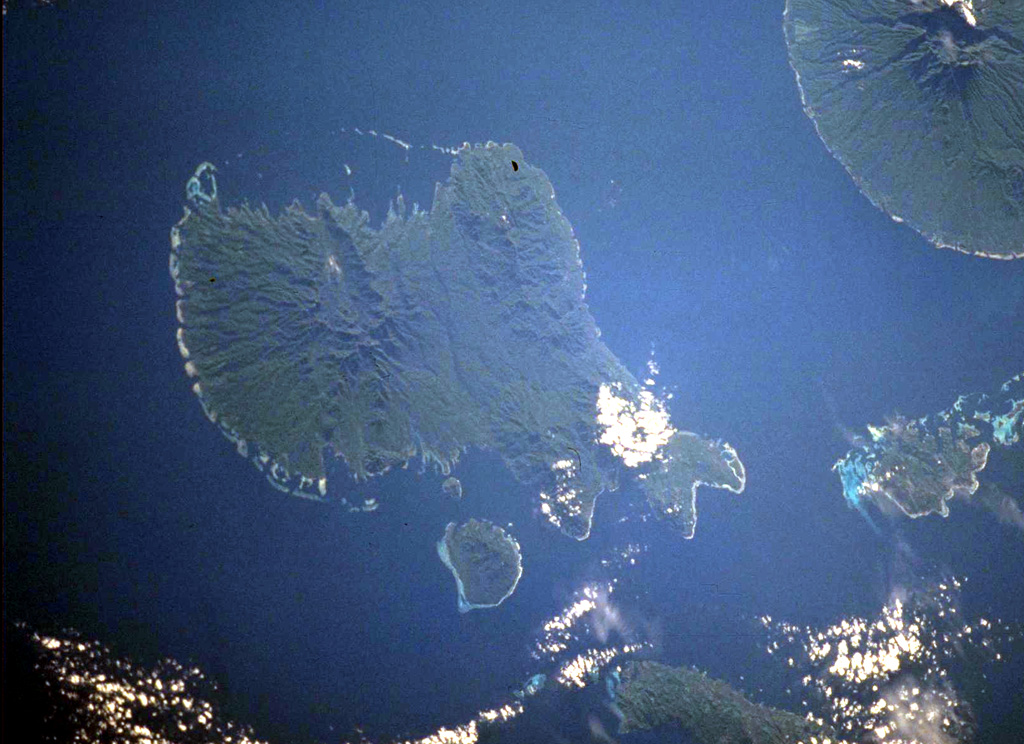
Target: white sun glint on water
888 678
635 431
116 699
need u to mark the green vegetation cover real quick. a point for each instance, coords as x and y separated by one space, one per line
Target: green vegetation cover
922 101
653 695
918 465
316 335
484 559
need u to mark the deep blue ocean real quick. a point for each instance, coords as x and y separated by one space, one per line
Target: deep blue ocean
718 235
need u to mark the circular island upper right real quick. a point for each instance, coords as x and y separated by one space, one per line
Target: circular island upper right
923 102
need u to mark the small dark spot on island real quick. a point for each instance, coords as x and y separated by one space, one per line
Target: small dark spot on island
515 165
213 278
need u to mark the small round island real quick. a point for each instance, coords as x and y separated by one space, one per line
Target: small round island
484 559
